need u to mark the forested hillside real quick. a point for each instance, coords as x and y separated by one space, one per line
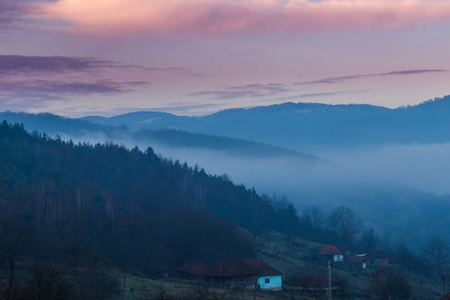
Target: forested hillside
133 209
164 137
70 213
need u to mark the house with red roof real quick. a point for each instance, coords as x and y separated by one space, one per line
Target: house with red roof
248 273
332 253
268 277
356 261
376 257
231 273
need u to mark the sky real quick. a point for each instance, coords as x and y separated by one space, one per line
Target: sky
196 57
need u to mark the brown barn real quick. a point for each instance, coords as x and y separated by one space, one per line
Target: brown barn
376 257
356 261
232 273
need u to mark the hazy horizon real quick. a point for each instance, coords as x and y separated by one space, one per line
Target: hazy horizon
72 58
137 136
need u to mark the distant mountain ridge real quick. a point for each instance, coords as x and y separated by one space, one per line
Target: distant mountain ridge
300 125
79 128
305 184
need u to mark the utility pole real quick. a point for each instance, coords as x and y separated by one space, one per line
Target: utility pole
420 292
444 288
123 288
329 280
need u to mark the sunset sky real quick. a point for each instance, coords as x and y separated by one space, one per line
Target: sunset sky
194 57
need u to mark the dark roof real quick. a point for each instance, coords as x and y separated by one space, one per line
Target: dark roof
375 253
312 280
193 268
330 250
230 268
262 268
355 260
446 297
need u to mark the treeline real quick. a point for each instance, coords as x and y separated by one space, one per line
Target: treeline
343 227
129 208
88 208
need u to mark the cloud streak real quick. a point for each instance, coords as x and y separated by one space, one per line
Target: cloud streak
56 77
329 94
9 12
331 80
216 17
19 65
56 90
243 91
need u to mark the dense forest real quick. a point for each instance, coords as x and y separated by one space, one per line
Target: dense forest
131 208
79 209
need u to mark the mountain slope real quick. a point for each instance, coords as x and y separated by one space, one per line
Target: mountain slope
305 125
170 138
126 207
236 147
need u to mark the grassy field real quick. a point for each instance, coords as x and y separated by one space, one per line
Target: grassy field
292 256
169 288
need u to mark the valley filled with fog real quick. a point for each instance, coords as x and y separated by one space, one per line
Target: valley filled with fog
389 166
396 189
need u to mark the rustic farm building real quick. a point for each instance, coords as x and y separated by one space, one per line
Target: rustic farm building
268 277
332 253
376 257
231 273
249 273
356 261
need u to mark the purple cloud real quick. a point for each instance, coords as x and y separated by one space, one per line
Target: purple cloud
54 90
40 77
13 11
9 11
315 95
327 94
352 77
242 91
19 64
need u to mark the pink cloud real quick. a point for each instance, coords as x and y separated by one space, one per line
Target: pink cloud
215 17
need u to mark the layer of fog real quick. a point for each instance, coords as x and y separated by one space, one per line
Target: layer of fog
423 167
382 185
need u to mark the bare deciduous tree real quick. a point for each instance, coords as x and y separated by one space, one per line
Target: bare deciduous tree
437 253
369 240
345 223
387 284
314 216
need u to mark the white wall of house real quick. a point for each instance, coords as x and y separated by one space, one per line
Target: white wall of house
270 282
338 257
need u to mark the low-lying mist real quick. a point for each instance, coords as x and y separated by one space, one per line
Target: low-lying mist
423 166
395 189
